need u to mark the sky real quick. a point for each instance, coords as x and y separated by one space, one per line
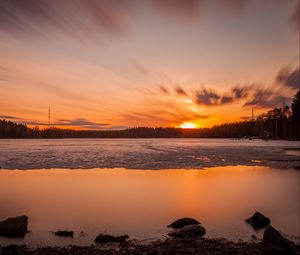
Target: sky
116 64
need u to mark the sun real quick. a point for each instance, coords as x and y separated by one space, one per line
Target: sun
188 125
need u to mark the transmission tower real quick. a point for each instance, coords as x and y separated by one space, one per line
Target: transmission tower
49 117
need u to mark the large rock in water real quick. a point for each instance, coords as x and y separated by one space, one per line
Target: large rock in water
258 221
180 223
102 238
14 227
188 231
274 243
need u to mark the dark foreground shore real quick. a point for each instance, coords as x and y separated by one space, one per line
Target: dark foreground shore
186 237
201 246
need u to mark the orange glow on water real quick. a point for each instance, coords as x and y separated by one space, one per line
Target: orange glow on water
142 203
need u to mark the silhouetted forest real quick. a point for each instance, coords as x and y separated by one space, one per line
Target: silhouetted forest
279 123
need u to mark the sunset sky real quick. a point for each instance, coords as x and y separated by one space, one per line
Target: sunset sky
124 63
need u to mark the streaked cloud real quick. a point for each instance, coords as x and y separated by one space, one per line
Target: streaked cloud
253 95
164 89
233 7
192 10
226 100
265 98
289 78
207 97
180 91
295 18
93 19
9 117
78 123
180 9
81 122
76 18
240 91
139 67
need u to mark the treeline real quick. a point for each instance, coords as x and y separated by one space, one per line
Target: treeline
279 123
10 129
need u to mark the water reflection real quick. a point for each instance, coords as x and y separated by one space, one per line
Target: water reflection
141 203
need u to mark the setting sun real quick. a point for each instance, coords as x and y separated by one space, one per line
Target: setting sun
188 125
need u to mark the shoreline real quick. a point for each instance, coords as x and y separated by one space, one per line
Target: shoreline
149 138
168 246
186 236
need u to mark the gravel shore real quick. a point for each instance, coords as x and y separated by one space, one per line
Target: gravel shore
201 246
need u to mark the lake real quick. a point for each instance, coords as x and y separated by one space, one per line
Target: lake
145 153
141 202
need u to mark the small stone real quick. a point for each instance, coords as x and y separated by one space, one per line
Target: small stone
82 234
180 223
194 230
64 233
103 238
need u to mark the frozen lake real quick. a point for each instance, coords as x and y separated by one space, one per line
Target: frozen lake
145 153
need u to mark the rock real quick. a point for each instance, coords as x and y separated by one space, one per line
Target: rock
258 221
64 233
82 234
14 227
274 243
194 230
102 238
180 223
